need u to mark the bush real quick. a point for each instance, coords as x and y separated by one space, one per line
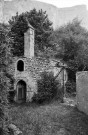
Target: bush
11 96
70 87
48 88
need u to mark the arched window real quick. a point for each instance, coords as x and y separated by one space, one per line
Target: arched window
20 65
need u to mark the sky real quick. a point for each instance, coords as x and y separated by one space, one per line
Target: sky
66 3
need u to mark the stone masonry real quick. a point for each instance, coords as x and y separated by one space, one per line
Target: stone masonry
82 91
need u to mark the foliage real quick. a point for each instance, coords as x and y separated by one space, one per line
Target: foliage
70 87
19 24
4 60
11 96
48 88
11 93
71 45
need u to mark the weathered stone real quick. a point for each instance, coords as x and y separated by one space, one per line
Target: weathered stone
70 102
15 130
82 91
29 42
61 132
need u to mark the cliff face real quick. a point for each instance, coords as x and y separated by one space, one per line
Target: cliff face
59 16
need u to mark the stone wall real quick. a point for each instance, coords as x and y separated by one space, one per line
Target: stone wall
30 75
32 71
82 91
34 67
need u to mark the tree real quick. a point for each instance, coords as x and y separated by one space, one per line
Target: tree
48 88
72 45
4 57
42 25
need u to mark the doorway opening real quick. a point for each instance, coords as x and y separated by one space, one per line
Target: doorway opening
21 91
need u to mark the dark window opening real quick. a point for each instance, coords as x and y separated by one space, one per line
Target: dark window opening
71 75
20 65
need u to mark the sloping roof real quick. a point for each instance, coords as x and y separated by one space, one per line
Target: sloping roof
30 26
59 63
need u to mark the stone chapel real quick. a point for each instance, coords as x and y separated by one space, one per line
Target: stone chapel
26 69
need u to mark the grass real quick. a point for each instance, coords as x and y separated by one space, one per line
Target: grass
51 119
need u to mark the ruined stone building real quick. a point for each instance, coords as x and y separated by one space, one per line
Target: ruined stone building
27 69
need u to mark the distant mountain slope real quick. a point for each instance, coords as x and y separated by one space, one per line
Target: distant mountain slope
58 16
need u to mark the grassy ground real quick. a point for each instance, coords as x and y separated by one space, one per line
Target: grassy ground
52 119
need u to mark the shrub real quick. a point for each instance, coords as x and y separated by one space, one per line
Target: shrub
70 87
48 88
11 96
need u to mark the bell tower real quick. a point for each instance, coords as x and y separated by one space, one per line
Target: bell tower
29 42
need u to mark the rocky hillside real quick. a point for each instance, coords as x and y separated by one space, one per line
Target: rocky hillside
58 16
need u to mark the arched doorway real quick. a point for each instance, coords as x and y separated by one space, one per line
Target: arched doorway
21 91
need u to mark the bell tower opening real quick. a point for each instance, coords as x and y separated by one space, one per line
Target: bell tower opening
20 65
